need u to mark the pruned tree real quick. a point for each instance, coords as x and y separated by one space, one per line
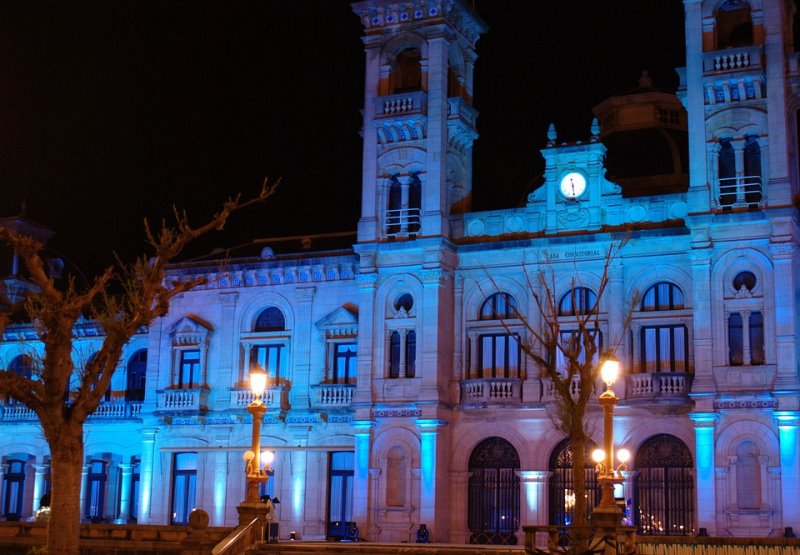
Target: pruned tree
570 359
145 294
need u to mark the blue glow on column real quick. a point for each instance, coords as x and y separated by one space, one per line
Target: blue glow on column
787 424
220 490
362 430
532 495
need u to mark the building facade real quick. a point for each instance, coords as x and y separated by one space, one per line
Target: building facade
399 394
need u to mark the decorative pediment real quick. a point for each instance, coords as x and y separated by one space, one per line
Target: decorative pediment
342 322
190 330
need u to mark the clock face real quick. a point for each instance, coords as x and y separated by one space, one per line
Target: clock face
573 185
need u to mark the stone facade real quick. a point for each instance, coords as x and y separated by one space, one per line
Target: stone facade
398 397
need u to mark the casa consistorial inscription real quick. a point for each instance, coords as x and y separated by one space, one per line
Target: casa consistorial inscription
572 253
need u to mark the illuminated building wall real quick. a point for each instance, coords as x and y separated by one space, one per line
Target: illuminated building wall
399 394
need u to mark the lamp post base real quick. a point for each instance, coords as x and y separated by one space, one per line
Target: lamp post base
249 511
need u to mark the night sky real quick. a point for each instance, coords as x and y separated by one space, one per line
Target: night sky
111 112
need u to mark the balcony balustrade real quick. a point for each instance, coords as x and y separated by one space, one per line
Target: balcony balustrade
117 410
491 391
457 108
415 102
733 59
658 385
549 389
16 412
272 398
181 400
332 395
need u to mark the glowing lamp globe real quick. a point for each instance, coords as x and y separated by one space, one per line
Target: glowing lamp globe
610 370
623 455
598 455
258 381
267 457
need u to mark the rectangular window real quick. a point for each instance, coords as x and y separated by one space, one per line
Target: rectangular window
270 357
340 487
184 486
499 355
14 490
96 491
345 359
664 348
571 342
189 374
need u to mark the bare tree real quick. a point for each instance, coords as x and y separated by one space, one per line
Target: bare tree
145 295
574 379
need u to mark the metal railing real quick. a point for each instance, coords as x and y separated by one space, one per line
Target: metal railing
403 221
739 191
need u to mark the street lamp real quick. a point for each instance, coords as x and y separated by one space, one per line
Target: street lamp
604 458
255 473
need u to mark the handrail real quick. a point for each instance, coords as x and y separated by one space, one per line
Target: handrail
231 541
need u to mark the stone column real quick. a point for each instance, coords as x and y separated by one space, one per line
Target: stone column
533 497
361 482
432 486
373 529
746 359
225 373
302 347
706 488
125 494
367 284
84 475
784 281
702 344
790 467
403 361
146 472
695 105
39 471
459 484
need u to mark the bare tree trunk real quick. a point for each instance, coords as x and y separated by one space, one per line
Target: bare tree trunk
63 529
580 533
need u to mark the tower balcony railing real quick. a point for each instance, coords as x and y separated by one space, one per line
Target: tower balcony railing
402 222
491 391
272 398
743 191
658 385
413 102
458 108
181 400
332 395
733 59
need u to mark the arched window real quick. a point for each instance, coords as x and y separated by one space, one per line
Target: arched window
562 483
663 296
22 366
734 24
580 300
406 75
499 306
663 503
493 510
137 373
270 319
404 302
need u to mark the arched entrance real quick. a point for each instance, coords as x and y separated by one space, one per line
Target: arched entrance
493 510
562 484
664 487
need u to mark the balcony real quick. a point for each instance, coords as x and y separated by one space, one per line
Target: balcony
491 391
549 393
415 102
16 412
273 398
659 386
332 395
117 409
740 192
733 59
182 400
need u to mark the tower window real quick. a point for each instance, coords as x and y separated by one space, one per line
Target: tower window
734 24
406 74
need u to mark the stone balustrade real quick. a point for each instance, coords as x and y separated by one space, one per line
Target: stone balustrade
653 385
403 103
491 390
241 397
733 59
181 400
333 395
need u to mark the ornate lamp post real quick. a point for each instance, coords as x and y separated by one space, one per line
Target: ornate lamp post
255 474
607 513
